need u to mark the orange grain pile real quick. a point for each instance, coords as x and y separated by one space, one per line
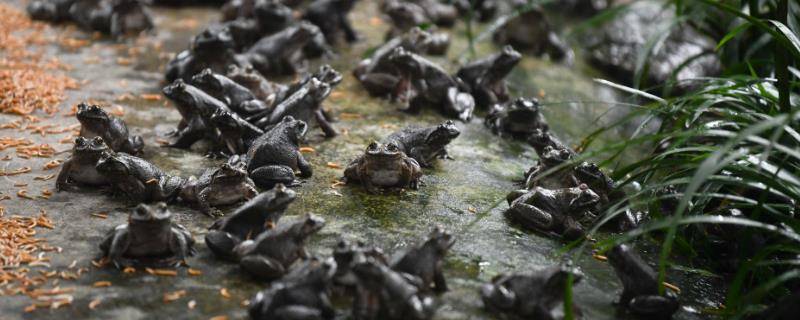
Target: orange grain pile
28 81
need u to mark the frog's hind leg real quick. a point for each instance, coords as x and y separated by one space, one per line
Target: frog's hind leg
653 305
262 267
531 217
267 176
379 84
221 244
322 122
135 145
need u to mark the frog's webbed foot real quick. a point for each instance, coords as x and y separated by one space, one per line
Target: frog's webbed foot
122 263
653 305
221 244
262 267
267 176
298 312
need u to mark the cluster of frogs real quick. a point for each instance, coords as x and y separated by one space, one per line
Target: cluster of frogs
117 18
219 89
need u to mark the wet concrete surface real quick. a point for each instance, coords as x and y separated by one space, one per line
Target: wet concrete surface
478 178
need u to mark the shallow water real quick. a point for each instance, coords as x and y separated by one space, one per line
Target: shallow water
480 176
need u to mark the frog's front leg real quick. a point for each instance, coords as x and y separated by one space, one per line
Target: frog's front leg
179 246
205 205
63 176
459 104
418 153
119 245
439 282
303 166
262 266
653 305
326 127
267 176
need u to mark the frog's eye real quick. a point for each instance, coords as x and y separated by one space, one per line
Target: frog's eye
373 146
80 141
162 206
391 147
97 140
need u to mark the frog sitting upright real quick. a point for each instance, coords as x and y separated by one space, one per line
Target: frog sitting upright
347 255
304 293
538 295
384 166
93 15
96 122
433 86
259 86
272 252
248 221
148 239
553 212
225 185
275 156
610 194
542 174
540 139
425 260
50 10
486 77
640 285
425 144
518 118
138 179
382 293
281 53
129 17
531 32
212 48
304 104
331 18
80 166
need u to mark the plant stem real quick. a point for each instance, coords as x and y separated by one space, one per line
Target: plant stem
782 62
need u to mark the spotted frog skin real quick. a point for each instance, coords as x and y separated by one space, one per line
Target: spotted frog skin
270 255
640 285
301 294
486 77
537 295
553 212
537 176
382 167
138 179
425 260
96 122
79 168
426 144
225 185
518 118
248 221
148 239
275 156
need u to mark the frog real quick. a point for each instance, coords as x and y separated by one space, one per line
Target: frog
432 86
516 119
541 138
259 86
150 239
50 10
271 253
425 144
553 212
225 185
331 18
236 135
610 194
238 98
531 32
281 53
640 294
535 295
384 166
439 12
542 174
130 17
212 48
193 126
79 168
235 9
138 179
275 156
425 260
382 293
349 253
273 16
305 104
96 122
248 221
404 16
486 77
304 293
94 15
378 75
481 10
